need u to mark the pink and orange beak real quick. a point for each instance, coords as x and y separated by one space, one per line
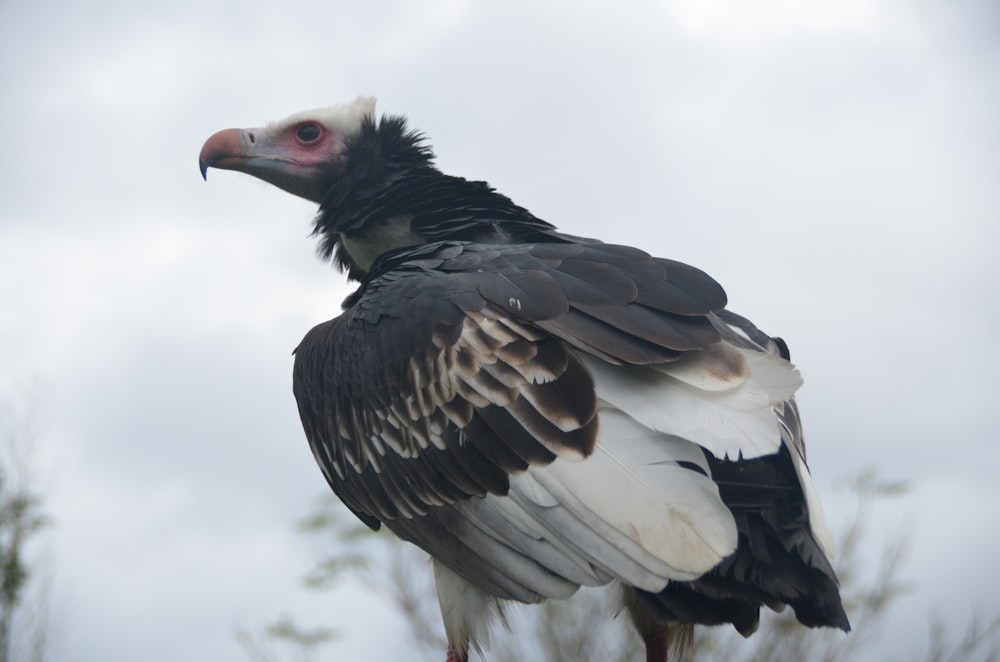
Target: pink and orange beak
275 156
228 149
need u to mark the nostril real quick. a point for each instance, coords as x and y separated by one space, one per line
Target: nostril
252 138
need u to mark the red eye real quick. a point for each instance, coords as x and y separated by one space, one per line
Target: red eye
308 133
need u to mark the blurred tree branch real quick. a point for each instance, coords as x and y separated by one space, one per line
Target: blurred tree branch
866 598
588 626
23 615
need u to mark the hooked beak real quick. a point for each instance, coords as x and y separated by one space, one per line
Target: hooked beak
229 149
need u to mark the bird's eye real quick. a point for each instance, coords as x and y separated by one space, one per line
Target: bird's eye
308 133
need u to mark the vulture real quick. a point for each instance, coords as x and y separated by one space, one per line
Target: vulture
540 411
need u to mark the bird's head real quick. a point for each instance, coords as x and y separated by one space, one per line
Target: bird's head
376 184
301 154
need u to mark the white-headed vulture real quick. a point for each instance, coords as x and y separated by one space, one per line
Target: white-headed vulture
540 411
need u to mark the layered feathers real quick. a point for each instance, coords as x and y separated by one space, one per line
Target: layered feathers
540 411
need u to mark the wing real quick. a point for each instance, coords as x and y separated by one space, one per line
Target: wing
457 395
784 544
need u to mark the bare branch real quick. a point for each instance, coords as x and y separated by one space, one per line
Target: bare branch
588 627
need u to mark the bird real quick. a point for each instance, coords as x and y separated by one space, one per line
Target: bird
540 411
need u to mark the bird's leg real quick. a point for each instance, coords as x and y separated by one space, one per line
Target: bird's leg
657 644
658 633
667 637
454 655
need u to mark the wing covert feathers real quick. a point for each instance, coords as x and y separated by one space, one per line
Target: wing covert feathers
544 416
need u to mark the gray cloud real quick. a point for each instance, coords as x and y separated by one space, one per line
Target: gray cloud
834 168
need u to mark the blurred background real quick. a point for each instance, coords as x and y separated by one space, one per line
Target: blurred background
835 164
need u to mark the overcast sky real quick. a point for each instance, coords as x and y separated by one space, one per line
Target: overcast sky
834 164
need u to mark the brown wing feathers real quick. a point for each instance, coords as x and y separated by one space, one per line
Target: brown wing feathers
453 371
